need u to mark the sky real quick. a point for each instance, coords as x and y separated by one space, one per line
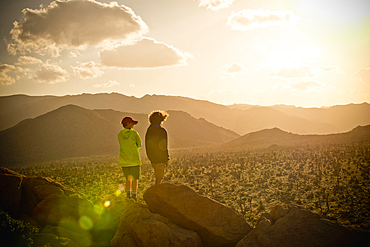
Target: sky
308 53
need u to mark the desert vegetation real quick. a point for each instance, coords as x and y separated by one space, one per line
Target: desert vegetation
16 232
332 180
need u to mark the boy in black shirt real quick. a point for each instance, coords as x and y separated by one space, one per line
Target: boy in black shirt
156 144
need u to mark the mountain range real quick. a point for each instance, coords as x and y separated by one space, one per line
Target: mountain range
275 137
241 119
73 131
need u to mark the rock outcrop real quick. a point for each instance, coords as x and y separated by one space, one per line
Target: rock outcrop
63 217
36 189
63 233
216 224
140 227
49 239
291 225
10 191
173 216
70 212
20 195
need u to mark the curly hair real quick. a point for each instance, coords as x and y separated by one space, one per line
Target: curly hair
157 117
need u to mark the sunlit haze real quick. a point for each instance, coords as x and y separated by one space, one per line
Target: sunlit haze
300 52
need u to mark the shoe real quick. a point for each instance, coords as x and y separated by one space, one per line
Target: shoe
128 197
134 196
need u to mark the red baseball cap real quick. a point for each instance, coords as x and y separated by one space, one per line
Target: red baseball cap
128 120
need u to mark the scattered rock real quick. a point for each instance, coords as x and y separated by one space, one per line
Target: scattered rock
292 225
140 227
215 223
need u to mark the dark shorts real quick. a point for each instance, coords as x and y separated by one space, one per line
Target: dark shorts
159 170
132 172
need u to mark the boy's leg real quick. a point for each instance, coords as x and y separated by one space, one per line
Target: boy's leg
135 183
128 177
136 176
128 187
158 180
159 172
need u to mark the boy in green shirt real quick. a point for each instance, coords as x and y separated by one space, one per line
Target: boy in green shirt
129 157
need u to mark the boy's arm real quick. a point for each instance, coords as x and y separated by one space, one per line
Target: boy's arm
138 141
166 138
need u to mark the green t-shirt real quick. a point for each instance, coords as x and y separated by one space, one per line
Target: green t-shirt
130 143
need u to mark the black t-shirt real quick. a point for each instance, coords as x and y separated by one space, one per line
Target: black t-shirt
156 144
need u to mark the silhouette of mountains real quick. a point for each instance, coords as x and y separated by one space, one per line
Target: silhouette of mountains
241 119
276 137
73 131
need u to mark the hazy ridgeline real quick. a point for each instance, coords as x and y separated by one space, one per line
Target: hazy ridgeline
331 180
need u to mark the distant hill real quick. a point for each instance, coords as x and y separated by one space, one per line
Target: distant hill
16 108
187 131
339 118
277 137
73 131
241 119
345 117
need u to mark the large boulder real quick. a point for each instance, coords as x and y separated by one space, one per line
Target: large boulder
217 225
292 225
10 191
140 227
110 217
42 201
80 239
50 239
20 195
36 189
70 212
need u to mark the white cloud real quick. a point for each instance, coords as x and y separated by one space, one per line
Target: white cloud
302 71
74 24
304 85
215 4
146 53
6 79
87 70
363 74
107 84
248 19
74 54
51 74
28 60
236 68
329 68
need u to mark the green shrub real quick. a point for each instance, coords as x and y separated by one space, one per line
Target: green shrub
16 232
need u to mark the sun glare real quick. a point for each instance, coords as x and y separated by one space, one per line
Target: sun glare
106 204
296 56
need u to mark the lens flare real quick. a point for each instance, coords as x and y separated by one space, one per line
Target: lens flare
98 210
117 193
85 222
119 190
106 204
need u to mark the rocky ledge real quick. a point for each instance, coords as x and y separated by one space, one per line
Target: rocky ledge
174 215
